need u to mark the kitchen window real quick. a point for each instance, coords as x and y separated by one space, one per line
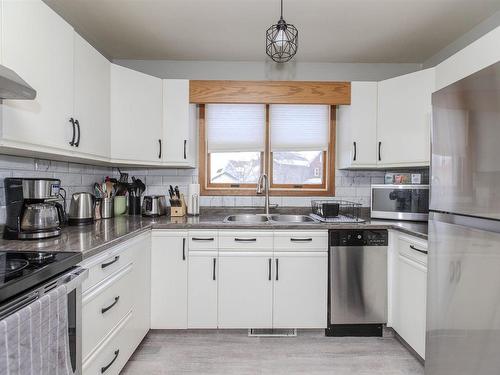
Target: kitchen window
292 143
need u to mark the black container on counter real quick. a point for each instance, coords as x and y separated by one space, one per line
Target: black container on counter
134 205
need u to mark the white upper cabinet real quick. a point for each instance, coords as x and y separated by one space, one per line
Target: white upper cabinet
38 45
179 123
92 100
357 128
136 117
403 122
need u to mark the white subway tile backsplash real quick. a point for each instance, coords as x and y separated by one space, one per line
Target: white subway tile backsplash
75 177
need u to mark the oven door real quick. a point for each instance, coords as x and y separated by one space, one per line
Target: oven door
72 280
400 202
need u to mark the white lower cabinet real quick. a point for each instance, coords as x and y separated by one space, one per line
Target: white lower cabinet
409 291
202 289
115 305
169 278
239 279
245 289
300 290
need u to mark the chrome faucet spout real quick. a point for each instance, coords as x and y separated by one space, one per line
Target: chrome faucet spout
263 188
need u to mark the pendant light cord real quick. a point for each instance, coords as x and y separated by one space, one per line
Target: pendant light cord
281 9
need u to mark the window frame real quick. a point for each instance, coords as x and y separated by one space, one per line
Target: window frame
207 188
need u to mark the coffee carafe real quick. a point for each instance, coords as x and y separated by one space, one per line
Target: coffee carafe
33 209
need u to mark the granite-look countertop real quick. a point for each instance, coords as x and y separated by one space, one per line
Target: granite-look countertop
104 234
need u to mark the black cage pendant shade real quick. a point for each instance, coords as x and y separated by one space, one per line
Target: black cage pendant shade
282 40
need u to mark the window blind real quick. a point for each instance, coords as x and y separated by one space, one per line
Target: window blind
297 127
235 127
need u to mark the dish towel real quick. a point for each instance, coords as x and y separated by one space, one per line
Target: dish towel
34 340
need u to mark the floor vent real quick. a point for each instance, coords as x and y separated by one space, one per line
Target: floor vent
269 332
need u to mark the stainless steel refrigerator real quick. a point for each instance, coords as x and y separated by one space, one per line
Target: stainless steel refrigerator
463 299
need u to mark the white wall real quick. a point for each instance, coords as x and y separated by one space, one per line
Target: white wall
256 70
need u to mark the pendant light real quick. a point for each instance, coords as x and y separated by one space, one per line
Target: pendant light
282 40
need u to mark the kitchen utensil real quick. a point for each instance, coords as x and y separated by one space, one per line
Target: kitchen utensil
97 208
123 177
154 205
40 217
107 208
177 193
81 209
120 205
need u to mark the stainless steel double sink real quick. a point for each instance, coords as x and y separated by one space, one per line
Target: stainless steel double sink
273 219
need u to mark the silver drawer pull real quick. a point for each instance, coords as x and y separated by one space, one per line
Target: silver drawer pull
104 309
203 238
104 265
301 239
420 251
105 368
245 239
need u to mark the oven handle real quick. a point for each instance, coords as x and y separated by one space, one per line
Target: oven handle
75 278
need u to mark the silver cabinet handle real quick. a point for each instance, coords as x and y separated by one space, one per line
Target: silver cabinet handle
301 239
419 250
245 239
104 265
203 238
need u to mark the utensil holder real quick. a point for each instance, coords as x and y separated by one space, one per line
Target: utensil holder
177 211
120 205
134 205
107 208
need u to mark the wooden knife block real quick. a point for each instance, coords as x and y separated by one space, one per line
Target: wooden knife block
179 210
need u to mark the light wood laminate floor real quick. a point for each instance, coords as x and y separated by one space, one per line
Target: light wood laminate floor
233 352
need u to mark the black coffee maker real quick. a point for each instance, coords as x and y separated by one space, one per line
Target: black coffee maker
33 209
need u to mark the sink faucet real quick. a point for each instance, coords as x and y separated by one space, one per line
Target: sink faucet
263 188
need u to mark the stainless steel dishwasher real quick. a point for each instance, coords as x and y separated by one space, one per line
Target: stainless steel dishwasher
357 290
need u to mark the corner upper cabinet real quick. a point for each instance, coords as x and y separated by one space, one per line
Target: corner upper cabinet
403 120
136 117
39 46
179 124
92 101
357 128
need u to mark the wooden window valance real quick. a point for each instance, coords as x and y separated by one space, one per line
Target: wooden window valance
270 92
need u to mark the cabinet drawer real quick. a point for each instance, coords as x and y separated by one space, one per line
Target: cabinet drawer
104 265
246 240
103 307
301 241
114 352
413 249
203 240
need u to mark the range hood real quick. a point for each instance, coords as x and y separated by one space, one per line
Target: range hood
14 87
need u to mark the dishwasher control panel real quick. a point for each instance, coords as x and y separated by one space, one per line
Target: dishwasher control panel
355 237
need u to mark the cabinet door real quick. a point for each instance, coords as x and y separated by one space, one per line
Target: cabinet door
404 115
245 290
169 280
410 313
202 289
38 45
92 99
177 122
357 127
136 116
300 290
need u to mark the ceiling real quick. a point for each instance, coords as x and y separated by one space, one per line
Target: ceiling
361 31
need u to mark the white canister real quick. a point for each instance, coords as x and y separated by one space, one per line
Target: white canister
193 199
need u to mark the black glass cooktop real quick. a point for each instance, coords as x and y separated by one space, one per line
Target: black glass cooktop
21 271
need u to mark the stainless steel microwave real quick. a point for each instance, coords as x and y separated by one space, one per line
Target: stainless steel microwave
400 202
